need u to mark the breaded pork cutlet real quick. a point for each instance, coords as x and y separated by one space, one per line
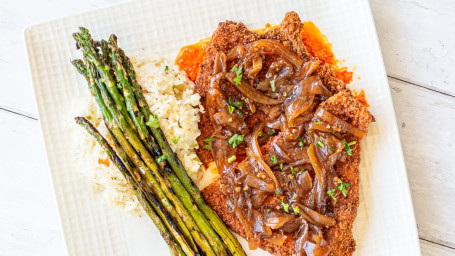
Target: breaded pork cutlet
341 104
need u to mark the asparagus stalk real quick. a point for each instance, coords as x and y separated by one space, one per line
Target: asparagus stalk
116 55
172 183
179 213
174 248
229 239
189 246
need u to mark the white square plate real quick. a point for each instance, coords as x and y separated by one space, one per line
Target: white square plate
385 224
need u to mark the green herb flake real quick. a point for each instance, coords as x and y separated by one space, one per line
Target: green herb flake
240 113
296 210
238 73
231 159
272 131
317 123
347 147
343 187
260 133
166 68
272 84
281 166
301 143
208 140
352 143
161 158
285 205
331 193
231 109
176 140
153 122
320 144
294 170
273 159
236 140
277 192
269 210
236 104
207 147
331 148
328 126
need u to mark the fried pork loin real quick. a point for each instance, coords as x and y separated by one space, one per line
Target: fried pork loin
333 239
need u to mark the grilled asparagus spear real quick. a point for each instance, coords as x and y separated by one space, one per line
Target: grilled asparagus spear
174 247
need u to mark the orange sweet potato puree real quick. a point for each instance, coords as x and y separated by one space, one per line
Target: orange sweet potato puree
318 45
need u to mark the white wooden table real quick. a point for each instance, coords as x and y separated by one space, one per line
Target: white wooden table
418 44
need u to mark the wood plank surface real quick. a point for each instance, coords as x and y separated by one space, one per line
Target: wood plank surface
29 223
426 122
16 88
417 38
432 249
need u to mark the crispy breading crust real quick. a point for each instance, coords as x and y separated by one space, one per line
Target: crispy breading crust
342 104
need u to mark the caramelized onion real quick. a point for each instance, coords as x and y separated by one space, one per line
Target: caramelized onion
335 121
250 92
267 46
276 220
254 152
302 97
317 218
320 173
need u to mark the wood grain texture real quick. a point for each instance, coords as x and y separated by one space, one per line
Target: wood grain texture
417 38
432 249
29 223
426 121
16 88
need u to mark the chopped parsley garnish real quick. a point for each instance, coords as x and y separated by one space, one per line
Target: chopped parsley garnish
236 104
207 147
153 122
166 68
317 122
238 73
296 210
231 109
273 159
328 126
236 140
285 205
331 193
301 143
269 210
277 192
347 147
320 144
352 143
260 133
281 166
272 131
272 84
161 158
208 140
294 170
231 159
176 140
343 187
331 148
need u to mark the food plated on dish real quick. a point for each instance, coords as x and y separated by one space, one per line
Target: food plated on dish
269 124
